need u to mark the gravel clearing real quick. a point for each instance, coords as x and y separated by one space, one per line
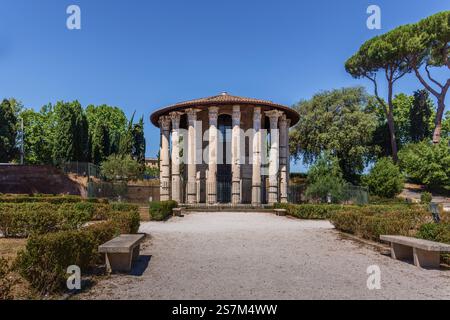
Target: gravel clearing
230 255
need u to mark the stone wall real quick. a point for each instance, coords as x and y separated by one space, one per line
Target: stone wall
29 179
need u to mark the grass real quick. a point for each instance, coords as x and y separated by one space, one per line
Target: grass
8 250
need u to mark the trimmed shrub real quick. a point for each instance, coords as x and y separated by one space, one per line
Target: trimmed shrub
385 179
311 211
46 257
372 221
439 232
123 206
161 210
23 219
426 197
6 281
126 221
374 200
20 198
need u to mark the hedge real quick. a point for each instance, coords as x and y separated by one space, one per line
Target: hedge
372 221
439 232
161 210
48 199
24 219
45 260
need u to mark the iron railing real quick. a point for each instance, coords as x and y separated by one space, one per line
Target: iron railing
84 169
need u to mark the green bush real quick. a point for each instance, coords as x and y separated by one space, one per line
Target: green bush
426 197
46 257
374 200
310 211
23 219
385 179
439 232
372 221
161 210
325 178
427 163
126 221
123 206
6 281
46 198
21 198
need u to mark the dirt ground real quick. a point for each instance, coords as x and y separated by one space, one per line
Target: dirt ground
222 255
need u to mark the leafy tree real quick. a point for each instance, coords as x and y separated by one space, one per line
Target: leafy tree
138 144
446 125
126 139
121 168
420 117
8 130
381 55
71 133
115 121
336 121
385 179
100 143
427 163
325 178
412 120
38 135
426 44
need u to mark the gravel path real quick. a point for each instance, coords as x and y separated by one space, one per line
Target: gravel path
226 255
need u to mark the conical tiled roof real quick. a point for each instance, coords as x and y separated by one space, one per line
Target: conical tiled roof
223 99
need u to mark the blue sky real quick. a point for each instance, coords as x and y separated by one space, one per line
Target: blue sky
142 55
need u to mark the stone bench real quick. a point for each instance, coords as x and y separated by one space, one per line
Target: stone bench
280 212
121 252
177 212
424 253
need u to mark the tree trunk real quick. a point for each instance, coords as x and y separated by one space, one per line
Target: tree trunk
390 120
438 121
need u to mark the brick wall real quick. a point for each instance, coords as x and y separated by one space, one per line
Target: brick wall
30 179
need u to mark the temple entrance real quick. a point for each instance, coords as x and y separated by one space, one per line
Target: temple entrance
224 163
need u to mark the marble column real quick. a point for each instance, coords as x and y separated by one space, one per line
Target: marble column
192 156
256 164
176 179
283 159
236 156
164 161
273 155
211 185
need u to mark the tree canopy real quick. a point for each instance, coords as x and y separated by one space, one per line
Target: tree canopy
336 121
426 44
381 55
8 130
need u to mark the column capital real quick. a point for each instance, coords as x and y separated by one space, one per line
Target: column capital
236 114
273 116
213 113
192 113
256 113
283 121
164 122
175 117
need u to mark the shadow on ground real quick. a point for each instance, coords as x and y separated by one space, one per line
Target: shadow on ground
140 265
